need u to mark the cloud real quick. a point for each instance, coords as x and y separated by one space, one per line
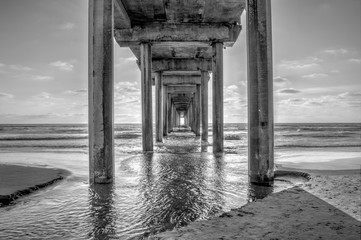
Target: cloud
339 51
296 65
66 66
6 95
41 78
43 95
2 65
354 60
67 26
20 68
280 80
315 75
232 87
288 91
77 92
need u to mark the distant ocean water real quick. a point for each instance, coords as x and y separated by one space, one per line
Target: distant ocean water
128 136
151 192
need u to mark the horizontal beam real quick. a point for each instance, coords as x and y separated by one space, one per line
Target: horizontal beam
182 65
179 80
181 89
185 32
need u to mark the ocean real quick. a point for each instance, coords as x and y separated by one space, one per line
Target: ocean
181 182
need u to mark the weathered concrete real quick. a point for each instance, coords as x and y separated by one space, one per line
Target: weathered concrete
260 93
146 75
204 105
165 110
189 32
198 110
101 92
182 64
217 97
158 107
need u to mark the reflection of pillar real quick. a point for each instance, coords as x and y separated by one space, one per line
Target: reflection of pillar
260 92
158 107
101 92
165 113
217 69
146 75
102 210
198 110
204 104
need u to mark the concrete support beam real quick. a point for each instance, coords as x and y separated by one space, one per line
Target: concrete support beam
186 32
159 107
182 65
181 88
204 105
181 80
121 18
165 111
260 93
197 98
169 114
101 92
217 71
146 85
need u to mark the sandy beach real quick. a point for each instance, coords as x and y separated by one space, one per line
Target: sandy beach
328 206
16 181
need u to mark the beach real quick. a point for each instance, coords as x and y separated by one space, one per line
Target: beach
328 206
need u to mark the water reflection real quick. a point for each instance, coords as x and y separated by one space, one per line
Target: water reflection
178 189
102 213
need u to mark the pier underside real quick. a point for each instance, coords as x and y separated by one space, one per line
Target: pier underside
178 44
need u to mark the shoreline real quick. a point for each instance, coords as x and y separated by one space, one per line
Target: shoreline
18 180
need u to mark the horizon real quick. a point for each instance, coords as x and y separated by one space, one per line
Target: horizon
44 75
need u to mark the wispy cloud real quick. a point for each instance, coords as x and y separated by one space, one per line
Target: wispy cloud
6 95
354 60
288 91
337 51
315 75
20 68
280 80
67 26
77 92
66 66
41 78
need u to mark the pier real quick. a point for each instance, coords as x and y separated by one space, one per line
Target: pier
178 44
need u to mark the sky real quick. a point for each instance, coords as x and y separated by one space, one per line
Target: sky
316 52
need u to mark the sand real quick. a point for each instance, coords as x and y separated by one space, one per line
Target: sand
16 181
328 206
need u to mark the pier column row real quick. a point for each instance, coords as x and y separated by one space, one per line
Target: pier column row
260 93
165 113
198 110
101 92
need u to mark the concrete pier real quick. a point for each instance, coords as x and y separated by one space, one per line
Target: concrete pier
217 71
204 105
146 75
260 93
198 110
101 92
158 107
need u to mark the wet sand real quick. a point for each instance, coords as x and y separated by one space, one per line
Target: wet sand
328 206
16 181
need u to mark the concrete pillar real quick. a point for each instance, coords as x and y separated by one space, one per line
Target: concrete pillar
260 93
198 110
146 85
204 105
217 70
101 92
165 114
169 113
158 107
